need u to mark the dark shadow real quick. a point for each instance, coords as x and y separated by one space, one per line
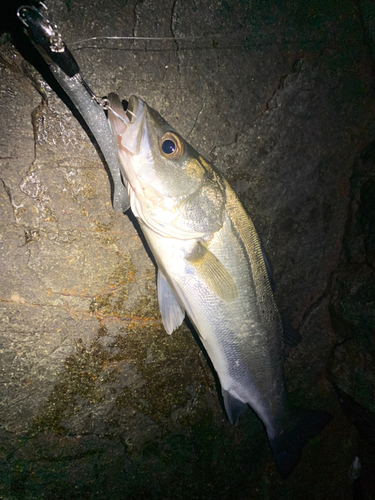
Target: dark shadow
137 227
364 422
9 22
195 334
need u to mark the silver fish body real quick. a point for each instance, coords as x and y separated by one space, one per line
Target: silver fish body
211 266
223 286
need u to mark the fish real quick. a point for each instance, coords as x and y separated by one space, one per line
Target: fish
211 266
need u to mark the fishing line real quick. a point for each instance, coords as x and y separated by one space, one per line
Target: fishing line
211 37
170 38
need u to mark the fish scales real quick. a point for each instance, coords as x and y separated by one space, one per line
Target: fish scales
242 337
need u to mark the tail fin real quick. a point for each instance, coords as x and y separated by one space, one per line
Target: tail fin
287 446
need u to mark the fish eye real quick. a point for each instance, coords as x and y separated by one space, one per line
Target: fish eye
171 146
168 147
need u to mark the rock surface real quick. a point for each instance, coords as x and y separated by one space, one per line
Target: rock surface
96 400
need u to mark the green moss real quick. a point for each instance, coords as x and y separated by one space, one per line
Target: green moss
157 357
147 307
107 238
125 273
31 234
102 331
145 345
88 190
114 302
101 227
49 214
79 380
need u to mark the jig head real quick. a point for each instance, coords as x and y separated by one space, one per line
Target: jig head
46 38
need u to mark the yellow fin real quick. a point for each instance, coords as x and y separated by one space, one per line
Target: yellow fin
213 273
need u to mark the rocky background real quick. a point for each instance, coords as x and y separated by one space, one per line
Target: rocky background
96 400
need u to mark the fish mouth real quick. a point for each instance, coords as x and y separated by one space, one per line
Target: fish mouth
132 108
122 113
127 124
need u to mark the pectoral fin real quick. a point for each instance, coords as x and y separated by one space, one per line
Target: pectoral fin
214 274
172 313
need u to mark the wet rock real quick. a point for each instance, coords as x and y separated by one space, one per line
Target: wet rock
353 318
353 305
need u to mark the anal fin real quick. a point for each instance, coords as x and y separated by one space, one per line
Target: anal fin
233 406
